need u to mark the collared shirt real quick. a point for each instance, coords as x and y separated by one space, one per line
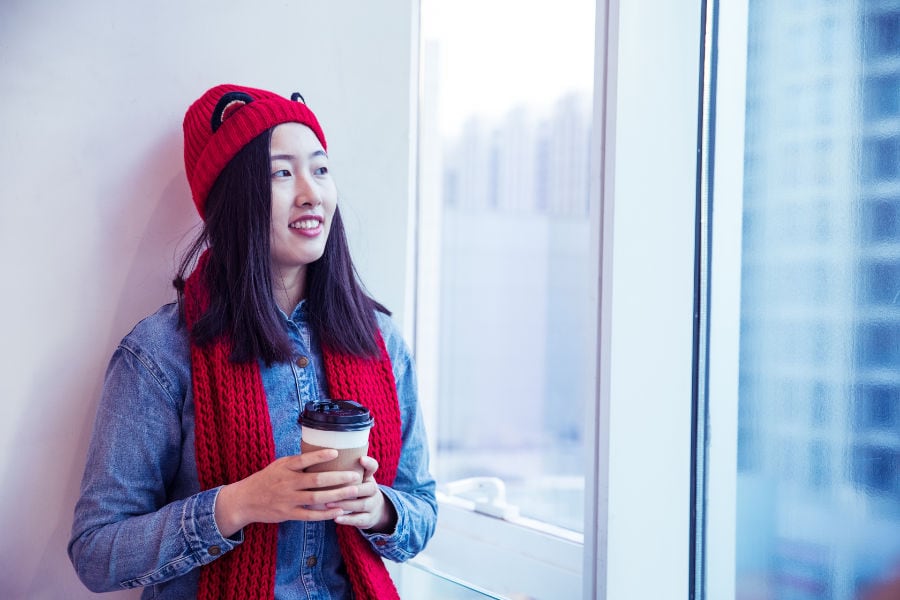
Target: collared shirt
141 519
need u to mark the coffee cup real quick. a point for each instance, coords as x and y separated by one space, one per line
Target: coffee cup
342 425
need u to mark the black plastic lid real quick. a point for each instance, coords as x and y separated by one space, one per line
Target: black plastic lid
336 415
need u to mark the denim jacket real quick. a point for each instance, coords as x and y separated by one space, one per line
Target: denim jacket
141 519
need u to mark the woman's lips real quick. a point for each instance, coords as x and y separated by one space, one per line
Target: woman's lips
310 225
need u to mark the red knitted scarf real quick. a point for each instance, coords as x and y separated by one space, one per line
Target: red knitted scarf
233 439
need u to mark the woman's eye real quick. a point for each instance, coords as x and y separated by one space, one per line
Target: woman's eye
281 173
322 171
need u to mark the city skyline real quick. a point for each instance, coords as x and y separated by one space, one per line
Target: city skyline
515 263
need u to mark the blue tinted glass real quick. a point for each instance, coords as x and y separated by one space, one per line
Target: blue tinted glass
818 496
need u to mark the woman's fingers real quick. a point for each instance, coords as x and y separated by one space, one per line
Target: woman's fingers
369 465
328 479
299 462
356 502
372 512
357 510
363 520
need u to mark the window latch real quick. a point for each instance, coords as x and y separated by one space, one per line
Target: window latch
487 495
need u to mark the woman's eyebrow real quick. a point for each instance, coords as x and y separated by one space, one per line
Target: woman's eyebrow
293 157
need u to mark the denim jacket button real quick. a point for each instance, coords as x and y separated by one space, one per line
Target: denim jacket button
302 362
311 561
214 551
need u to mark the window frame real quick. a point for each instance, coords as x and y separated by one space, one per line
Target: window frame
649 96
643 239
725 300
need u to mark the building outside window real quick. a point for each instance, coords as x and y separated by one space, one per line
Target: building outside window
818 465
511 144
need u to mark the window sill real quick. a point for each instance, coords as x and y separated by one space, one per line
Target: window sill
515 556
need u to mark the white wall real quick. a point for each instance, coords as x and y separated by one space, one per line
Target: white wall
95 206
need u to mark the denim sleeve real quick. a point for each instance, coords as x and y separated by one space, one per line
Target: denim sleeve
127 531
412 493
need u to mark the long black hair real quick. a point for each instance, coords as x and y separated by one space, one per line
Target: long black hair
238 272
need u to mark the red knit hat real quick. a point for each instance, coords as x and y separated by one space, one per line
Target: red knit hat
224 120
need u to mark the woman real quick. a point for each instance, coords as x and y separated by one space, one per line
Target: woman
195 485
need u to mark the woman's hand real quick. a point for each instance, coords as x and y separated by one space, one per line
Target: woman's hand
370 509
282 491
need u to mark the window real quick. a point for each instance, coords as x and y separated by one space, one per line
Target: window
881 283
882 97
878 345
881 221
881 160
806 503
876 469
877 407
882 34
513 375
506 285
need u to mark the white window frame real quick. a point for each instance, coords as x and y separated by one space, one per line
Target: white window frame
643 203
725 300
648 198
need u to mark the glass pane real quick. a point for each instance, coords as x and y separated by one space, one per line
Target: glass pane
818 488
506 135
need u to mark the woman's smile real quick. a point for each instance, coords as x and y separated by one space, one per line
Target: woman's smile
308 225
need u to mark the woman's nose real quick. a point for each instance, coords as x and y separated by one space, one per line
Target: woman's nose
306 192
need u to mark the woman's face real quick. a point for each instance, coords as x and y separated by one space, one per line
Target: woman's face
304 198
